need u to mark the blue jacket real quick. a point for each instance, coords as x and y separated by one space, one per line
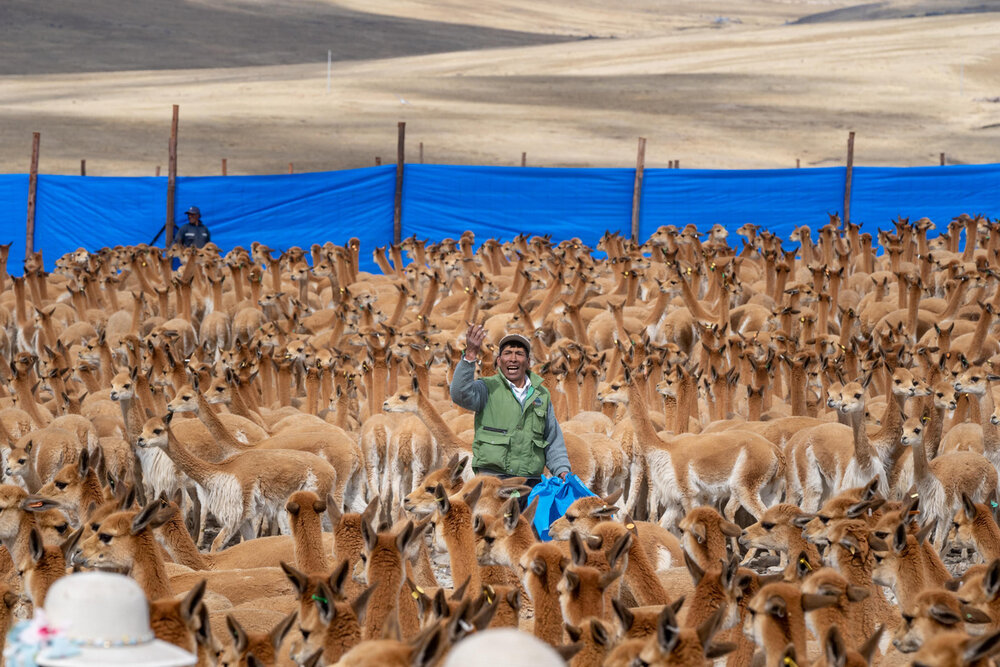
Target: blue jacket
192 236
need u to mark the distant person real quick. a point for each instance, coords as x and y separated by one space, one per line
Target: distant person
193 234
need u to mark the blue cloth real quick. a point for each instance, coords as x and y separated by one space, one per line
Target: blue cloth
280 211
554 498
442 201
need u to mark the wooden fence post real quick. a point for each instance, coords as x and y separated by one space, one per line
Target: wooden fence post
397 215
172 175
291 168
942 159
847 182
83 167
29 231
225 170
640 165
524 159
421 152
378 161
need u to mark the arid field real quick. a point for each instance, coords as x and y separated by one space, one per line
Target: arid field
734 84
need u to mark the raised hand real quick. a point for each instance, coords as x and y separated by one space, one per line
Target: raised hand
474 341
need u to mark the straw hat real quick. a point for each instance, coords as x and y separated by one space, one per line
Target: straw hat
100 618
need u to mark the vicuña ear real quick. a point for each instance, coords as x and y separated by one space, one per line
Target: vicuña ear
625 616
857 593
867 650
36 547
237 633
968 507
572 582
360 604
567 651
144 517
696 571
83 464
539 568
899 538
974 615
599 633
619 550
577 550
38 504
667 630
441 497
710 626
277 635
991 580
730 529
368 534
834 647
427 647
698 530
189 605
472 497
811 601
943 615
299 580
776 606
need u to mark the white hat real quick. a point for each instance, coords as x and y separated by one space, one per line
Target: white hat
517 648
105 619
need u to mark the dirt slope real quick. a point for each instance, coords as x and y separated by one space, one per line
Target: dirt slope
719 84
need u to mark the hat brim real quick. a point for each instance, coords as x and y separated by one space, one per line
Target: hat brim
154 654
514 339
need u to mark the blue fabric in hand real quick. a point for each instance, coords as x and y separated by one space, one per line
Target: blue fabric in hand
554 497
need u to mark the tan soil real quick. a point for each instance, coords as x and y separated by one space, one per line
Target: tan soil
723 84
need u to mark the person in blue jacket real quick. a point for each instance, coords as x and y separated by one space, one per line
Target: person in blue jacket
516 432
193 233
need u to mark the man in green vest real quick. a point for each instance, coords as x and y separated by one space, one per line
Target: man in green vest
517 434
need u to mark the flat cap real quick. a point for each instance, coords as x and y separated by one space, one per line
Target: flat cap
514 339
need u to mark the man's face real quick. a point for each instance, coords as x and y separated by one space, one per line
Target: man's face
514 363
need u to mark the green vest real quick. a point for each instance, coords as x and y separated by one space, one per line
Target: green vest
508 439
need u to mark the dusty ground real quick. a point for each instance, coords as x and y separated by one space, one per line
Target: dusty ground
718 84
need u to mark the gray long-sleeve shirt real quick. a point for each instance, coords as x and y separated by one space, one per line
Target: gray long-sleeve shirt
469 393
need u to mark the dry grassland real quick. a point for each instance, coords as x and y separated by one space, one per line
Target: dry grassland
736 84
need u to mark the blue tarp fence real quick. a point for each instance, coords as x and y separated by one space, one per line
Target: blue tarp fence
442 201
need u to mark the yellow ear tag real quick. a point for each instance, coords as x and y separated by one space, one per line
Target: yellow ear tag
416 595
630 526
805 563
914 495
